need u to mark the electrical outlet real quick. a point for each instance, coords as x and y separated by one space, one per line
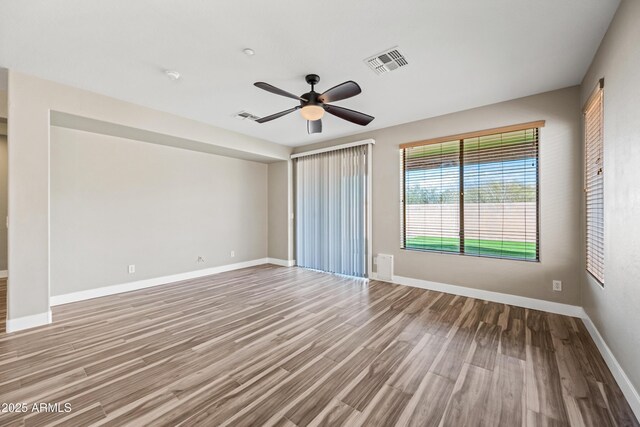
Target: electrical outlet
557 285
200 259
132 269
233 253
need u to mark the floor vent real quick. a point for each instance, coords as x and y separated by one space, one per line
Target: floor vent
386 61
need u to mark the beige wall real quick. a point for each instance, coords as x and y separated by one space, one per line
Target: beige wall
4 175
560 199
278 210
615 310
31 102
3 103
3 202
116 202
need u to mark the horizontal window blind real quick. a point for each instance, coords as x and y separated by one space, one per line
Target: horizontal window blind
501 195
477 195
432 195
594 184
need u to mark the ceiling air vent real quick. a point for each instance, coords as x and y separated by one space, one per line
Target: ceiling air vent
386 61
245 115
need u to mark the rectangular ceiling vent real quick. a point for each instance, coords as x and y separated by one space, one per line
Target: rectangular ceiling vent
386 61
245 115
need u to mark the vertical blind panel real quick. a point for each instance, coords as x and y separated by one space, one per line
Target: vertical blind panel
500 195
432 197
594 186
477 196
331 211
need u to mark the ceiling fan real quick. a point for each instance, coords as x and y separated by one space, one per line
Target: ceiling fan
313 105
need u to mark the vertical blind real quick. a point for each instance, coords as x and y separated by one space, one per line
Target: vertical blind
594 184
474 195
331 192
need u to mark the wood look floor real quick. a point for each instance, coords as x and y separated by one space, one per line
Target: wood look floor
286 346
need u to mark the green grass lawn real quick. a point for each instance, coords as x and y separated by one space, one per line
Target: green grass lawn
495 248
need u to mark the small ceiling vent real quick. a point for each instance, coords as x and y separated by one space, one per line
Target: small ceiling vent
245 115
386 61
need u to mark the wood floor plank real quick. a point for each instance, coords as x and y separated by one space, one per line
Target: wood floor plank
377 374
469 399
513 338
429 402
304 411
386 409
485 346
544 390
335 414
269 345
410 374
506 406
451 359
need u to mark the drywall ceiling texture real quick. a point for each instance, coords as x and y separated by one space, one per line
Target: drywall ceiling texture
614 309
462 54
117 202
560 199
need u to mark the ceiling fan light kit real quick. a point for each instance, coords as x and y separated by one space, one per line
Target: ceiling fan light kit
313 105
312 112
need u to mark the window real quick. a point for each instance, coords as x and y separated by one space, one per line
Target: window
594 183
473 194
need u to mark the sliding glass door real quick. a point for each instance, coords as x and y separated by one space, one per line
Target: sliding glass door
331 211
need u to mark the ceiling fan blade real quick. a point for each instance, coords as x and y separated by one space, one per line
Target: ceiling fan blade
314 126
342 91
352 116
276 115
277 91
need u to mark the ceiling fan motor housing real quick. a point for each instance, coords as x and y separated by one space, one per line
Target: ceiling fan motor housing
310 98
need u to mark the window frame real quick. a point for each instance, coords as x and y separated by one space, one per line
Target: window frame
536 125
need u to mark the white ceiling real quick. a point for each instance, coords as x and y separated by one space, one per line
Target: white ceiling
461 53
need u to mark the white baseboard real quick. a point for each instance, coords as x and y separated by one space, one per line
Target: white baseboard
27 322
281 262
4 274
629 391
147 283
532 303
